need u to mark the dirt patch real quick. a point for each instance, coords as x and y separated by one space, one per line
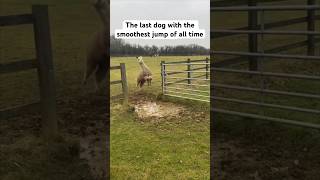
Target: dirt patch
264 156
81 118
87 119
152 109
93 149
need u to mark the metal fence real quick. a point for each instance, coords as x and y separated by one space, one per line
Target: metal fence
123 82
258 56
253 25
43 63
191 83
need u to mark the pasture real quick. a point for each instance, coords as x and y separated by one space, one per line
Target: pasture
167 147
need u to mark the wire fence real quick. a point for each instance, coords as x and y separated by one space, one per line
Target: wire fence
186 79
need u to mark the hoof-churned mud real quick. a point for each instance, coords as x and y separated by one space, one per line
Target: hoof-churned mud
244 157
157 109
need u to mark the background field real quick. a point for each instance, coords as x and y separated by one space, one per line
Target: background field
157 148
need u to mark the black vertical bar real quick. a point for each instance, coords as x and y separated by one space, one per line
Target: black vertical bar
253 38
207 68
311 19
189 71
163 76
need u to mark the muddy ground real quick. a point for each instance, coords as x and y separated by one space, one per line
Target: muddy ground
82 122
258 152
267 152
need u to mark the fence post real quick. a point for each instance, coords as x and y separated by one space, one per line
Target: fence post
163 76
207 68
189 70
253 38
45 71
311 27
124 83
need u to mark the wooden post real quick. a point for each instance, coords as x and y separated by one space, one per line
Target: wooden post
163 76
45 71
189 70
311 19
124 83
253 38
207 68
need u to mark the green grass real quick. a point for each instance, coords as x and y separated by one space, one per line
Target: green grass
170 149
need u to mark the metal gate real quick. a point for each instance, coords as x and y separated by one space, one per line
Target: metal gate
267 103
186 79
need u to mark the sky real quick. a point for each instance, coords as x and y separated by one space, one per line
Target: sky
162 10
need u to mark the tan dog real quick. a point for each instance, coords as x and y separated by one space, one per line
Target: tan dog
145 74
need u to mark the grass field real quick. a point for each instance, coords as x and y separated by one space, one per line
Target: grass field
157 148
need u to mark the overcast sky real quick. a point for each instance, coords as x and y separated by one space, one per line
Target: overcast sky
162 10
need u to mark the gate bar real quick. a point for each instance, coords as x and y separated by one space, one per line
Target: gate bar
283 75
187 71
315 96
187 84
237 53
266 105
272 119
270 25
188 78
194 90
176 64
199 95
271 32
266 8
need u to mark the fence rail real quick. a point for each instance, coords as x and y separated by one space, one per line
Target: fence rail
257 55
185 87
14 20
252 30
123 82
224 3
44 65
